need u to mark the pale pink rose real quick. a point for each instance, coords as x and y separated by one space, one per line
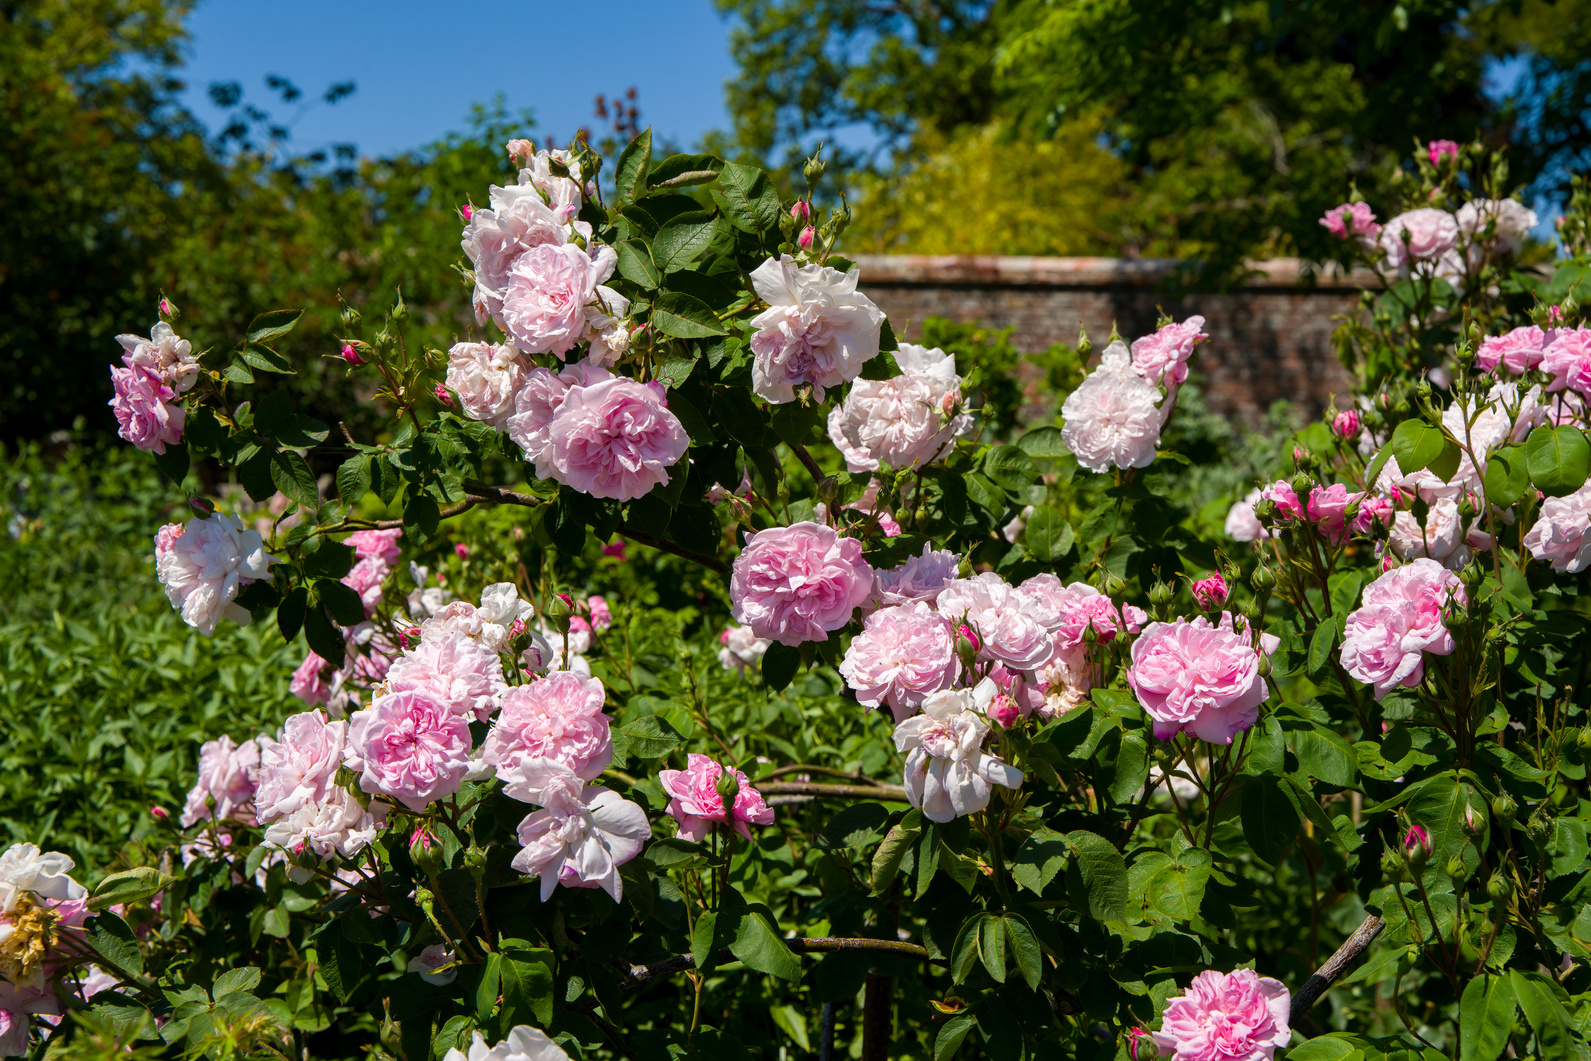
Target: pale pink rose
1163 357
1442 539
1567 356
1437 150
902 422
1431 235
818 330
696 804
486 378
540 394
17 1006
563 194
1509 219
919 579
1133 618
204 567
1399 620
601 616
1210 593
1236 1016
1490 429
165 353
522 1043
145 412
228 775
375 545
1071 611
948 775
365 578
1328 511
742 648
1241 523
615 439
1004 618
549 287
1559 534
584 844
1280 493
500 609
495 237
1196 677
300 765
1351 220
333 827
1423 484
453 670
307 683
409 747
558 717
1518 351
902 654
798 583
1112 418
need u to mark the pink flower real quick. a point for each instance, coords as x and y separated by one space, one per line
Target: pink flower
375 544
1351 220
461 550
919 579
1133 618
1517 351
1437 150
300 766
453 670
806 238
582 844
1559 533
365 579
1567 356
817 331
328 828
798 583
1417 843
494 238
1328 510
486 377
1399 621
801 211
541 394
1241 523
17 1005
901 421
558 717
1210 593
742 648
1432 235
902 654
466 211
1163 356
1192 676
1372 509
1280 493
948 775
549 287
1236 1016
409 747
695 802
1113 418
144 408
443 396
350 355
228 775
1007 619
601 617
1345 425
205 564
616 439
165 354
307 683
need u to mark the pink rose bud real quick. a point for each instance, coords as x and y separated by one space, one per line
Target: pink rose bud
568 600
615 550
1300 454
1141 1046
1004 712
443 396
202 505
802 210
808 234
159 813
1554 314
517 628
466 211
1346 424
723 638
1437 150
422 836
166 308
351 355
1210 593
1417 844
521 149
462 551
966 634
1388 562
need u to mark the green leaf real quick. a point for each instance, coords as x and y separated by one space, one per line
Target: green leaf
1321 643
1024 947
1177 890
649 737
290 614
234 981
747 199
338 959
682 239
927 863
1132 767
991 946
887 859
635 163
779 666
1485 1015
1048 537
264 358
965 954
489 989
706 941
1039 859
1101 873
684 316
238 372
793 422
1559 459
1507 476
952 1035
1325 755
793 1023
324 639
855 826
881 366
758 943
421 512
291 475
1044 443
331 560
692 420
682 171
342 601
273 325
353 479
635 264
1270 821
173 463
301 432
1548 1015
1010 467
128 886
1417 444
527 988
111 936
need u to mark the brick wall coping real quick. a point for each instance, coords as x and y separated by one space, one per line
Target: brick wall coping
990 270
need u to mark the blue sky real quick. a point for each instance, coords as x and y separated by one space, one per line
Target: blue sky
419 66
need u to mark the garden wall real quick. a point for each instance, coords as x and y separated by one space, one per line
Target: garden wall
1270 337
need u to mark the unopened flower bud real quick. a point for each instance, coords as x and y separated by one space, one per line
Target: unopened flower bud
1391 865
466 211
1210 593
443 396
475 862
1474 822
350 316
1345 425
426 851
1161 593
1582 739
1416 846
520 149
1263 579
1539 828
168 308
1455 868
202 505
1114 586
461 551
1504 808
813 170
401 310
808 235
1003 711
967 645
801 211
1300 455
159 813
828 490
728 787
1302 484
350 355
1500 888
1141 1045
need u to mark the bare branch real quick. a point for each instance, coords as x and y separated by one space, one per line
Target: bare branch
1304 998
889 793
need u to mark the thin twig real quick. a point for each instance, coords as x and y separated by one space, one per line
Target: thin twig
1304 998
888 793
641 975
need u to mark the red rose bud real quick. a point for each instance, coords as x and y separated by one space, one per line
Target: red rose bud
802 210
443 396
1417 845
1346 425
159 813
350 355
466 211
808 235
1210 593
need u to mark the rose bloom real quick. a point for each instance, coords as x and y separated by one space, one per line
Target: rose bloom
1328 511
1112 419
541 394
204 563
558 717
1163 357
170 357
615 439
904 422
1559 534
1432 234
1399 620
1280 493
46 874
1443 539
500 608
409 747
485 376
601 615
17 1006
1236 1016
300 765
1210 593
1195 677
1567 356
523 1043
582 844
1354 220
902 654
549 287
695 803
453 670
948 775
742 648
563 193
327 828
818 330
1071 610
1518 351
1513 221
607 327
1241 523
375 545
1005 618
228 774
798 583
431 959
516 221
366 578
919 579
145 414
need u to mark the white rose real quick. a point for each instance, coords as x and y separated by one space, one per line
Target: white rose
500 609
524 1043
1443 539
1241 523
905 422
24 868
1514 220
205 565
486 377
742 648
168 355
948 775
818 329
335 826
607 327
1112 419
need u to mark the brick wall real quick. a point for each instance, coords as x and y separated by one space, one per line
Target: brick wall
1269 338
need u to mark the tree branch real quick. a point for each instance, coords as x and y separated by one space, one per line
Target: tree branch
641 975
1317 985
808 463
710 562
889 793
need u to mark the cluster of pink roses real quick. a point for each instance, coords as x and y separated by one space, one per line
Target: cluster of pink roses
1400 620
1114 418
153 372
1562 353
1334 511
369 651
1434 241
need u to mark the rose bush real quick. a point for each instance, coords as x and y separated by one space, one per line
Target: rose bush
1009 747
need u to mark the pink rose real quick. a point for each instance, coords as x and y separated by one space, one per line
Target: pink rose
454 670
1210 593
1432 235
228 774
375 545
1437 150
1559 534
549 287
601 617
1351 220
1567 356
1280 493
1197 677
365 579
918 579
1399 621
1007 620
1517 351
695 802
798 583
1345 425
204 567
615 439
409 747
494 239
307 683
486 377
144 408
1236 1016
1163 356
582 844
902 654
1328 510
817 331
905 422
558 717
300 766
1242 524
1113 418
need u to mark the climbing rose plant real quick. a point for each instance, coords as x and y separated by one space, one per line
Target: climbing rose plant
894 726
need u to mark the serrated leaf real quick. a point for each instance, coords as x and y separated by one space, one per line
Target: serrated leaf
1011 468
111 936
290 613
233 981
684 316
1485 1017
965 954
635 264
331 560
650 737
291 475
273 324
353 478
952 1035
1418 445
747 199
887 859
1548 1016
423 514
342 601
1321 643
682 240
1044 443
1102 872
264 358
527 984
991 946
1048 536
635 163
680 171
759 945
